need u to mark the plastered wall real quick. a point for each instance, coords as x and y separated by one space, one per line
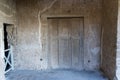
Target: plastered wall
109 36
32 34
7 15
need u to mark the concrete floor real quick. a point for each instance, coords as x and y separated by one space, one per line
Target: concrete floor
55 75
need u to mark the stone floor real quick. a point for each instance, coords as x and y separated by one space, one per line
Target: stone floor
55 75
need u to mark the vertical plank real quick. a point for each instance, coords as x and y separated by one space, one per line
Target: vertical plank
64 48
53 33
81 57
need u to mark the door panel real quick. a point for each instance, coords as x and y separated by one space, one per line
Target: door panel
64 54
53 43
64 28
75 53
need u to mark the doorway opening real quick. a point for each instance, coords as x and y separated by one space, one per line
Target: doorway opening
8 54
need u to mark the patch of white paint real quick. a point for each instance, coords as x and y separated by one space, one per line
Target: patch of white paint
95 50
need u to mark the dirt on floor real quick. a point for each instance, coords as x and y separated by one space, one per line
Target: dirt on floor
55 75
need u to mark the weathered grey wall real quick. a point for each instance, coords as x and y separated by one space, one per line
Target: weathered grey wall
32 30
118 44
7 15
109 27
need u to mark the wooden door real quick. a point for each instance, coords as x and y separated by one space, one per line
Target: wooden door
66 43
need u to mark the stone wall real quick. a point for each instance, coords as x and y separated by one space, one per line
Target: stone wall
109 30
7 15
32 35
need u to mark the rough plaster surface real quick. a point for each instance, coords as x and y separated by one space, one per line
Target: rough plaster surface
32 31
109 24
7 15
32 35
118 44
55 75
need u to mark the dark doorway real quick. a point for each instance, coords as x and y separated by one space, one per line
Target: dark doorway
8 57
